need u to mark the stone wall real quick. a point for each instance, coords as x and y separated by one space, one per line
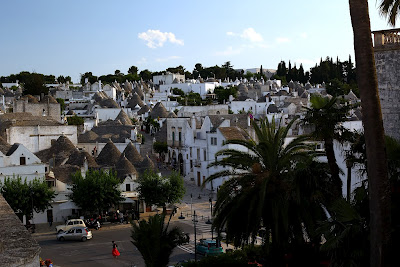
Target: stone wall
39 109
388 70
17 247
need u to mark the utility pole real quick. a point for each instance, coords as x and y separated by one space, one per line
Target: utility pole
194 225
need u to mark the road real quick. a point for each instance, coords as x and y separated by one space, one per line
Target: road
97 251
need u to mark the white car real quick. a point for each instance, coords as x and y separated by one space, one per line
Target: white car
75 233
69 224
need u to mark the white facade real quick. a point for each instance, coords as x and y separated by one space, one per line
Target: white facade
36 138
23 163
168 78
201 88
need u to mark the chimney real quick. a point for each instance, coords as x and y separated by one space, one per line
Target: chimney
248 121
193 123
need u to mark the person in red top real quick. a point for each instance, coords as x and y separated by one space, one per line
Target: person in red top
115 251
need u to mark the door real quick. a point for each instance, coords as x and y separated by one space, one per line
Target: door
198 179
50 216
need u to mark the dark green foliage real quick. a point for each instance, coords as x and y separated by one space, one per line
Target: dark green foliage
276 187
224 93
62 79
34 85
146 75
97 192
91 78
237 258
155 241
160 147
133 70
26 197
177 91
325 118
180 69
347 231
62 103
75 120
160 191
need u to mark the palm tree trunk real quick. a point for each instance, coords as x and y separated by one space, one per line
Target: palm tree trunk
379 194
330 155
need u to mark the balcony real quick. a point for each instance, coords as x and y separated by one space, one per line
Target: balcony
387 39
197 163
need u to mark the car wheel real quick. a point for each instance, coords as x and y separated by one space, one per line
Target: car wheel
83 238
61 238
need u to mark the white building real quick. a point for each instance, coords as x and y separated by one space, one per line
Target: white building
168 78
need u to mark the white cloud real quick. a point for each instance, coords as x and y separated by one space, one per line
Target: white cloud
228 52
281 40
156 38
251 35
167 58
248 34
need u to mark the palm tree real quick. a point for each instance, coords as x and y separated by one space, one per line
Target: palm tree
154 241
379 193
390 9
325 116
270 188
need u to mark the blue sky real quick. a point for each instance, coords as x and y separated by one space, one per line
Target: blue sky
73 37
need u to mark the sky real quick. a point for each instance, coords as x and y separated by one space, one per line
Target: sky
73 37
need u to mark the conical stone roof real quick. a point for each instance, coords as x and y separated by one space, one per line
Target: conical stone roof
135 100
143 110
124 167
60 150
132 154
78 158
109 155
139 92
159 111
123 118
147 164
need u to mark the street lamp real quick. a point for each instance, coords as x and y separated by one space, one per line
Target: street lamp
210 220
195 245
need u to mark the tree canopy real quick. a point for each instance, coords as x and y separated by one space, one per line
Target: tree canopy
159 190
97 191
25 197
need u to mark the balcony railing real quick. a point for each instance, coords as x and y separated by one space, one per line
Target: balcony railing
386 38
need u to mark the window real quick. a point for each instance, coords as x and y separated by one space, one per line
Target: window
213 141
190 152
180 138
79 231
173 138
22 161
205 154
128 187
70 223
198 154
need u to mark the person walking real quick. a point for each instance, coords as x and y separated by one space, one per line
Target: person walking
115 251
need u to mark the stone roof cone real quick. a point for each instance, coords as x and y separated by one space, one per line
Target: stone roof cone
132 154
124 167
109 155
159 111
123 118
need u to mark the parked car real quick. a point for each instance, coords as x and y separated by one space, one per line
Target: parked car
69 224
76 233
208 247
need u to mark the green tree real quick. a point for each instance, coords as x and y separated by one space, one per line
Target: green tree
90 76
146 75
97 191
62 103
224 93
75 120
379 188
160 147
159 190
155 241
325 117
272 185
390 9
34 85
133 70
26 197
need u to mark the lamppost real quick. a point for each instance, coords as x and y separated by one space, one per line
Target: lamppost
210 219
195 245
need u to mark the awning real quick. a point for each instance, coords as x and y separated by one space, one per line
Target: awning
127 200
68 206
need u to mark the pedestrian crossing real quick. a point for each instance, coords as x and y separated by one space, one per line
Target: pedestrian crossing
201 226
189 248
